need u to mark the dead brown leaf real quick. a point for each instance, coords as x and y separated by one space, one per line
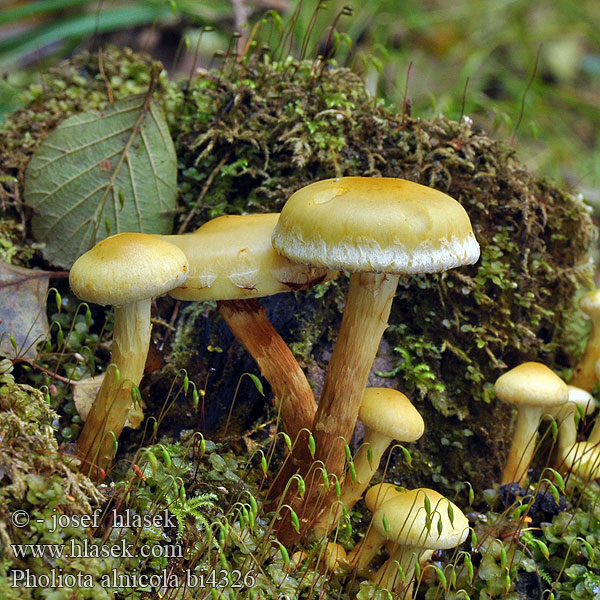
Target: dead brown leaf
22 309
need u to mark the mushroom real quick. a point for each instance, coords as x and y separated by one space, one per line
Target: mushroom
585 374
387 415
534 389
564 415
126 270
416 521
232 261
365 551
334 556
376 228
584 460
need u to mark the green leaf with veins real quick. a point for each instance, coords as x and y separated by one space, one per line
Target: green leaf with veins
101 173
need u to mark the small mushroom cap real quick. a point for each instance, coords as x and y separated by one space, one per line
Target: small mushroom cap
406 515
582 398
231 258
531 384
391 413
589 303
375 224
128 267
380 493
584 459
334 555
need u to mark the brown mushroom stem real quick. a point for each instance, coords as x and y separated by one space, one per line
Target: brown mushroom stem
131 339
248 321
523 444
368 306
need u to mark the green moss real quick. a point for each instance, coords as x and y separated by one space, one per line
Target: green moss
250 134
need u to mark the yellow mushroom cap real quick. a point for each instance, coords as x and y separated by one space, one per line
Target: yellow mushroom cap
128 267
584 459
379 224
531 384
390 413
380 493
231 258
334 555
589 303
409 524
582 398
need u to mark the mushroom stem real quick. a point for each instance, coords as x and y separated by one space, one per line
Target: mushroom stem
131 339
365 469
567 431
523 444
365 551
585 371
353 490
388 575
365 319
248 321
594 437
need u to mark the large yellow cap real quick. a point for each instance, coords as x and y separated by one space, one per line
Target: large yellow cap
231 258
382 225
128 267
445 526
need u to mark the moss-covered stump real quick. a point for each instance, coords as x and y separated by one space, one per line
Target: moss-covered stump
255 132
250 134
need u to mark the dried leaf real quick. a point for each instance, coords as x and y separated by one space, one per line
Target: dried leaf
22 309
101 173
85 392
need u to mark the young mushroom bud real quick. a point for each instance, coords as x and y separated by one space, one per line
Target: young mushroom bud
334 557
126 270
416 521
579 401
387 415
584 460
534 390
365 551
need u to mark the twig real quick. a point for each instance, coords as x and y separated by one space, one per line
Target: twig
109 91
405 98
44 370
529 84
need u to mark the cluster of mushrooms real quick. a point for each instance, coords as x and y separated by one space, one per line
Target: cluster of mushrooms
377 229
